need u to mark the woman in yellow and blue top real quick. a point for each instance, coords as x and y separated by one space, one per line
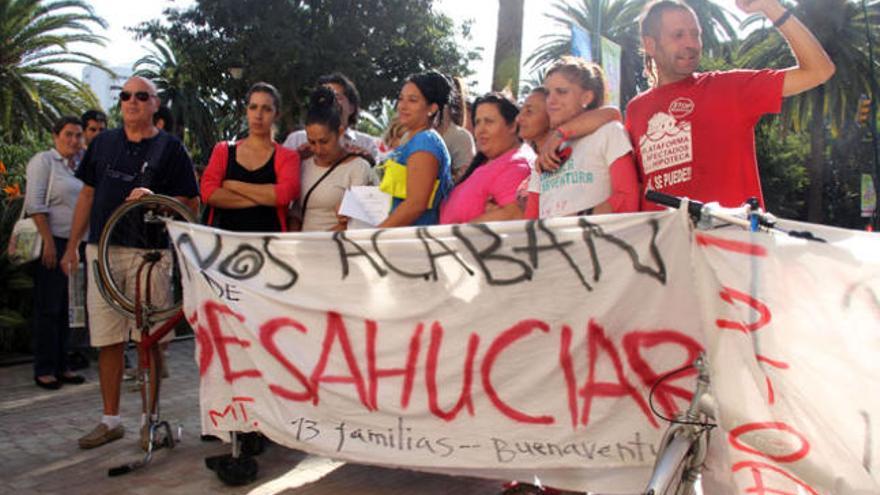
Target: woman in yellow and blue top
418 173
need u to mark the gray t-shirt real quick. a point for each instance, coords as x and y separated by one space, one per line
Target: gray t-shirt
461 148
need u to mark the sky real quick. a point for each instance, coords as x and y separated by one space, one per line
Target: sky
123 50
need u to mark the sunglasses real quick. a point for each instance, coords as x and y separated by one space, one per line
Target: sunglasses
140 95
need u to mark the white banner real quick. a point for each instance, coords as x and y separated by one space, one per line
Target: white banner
503 350
518 349
793 333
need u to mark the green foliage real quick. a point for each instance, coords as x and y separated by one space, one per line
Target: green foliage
613 19
378 118
617 20
291 43
15 281
192 105
781 158
34 41
840 27
851 155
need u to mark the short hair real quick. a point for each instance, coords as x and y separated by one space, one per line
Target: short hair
324 109
585 74
649 27
436 89
652 14
351 94
59 124
96 115
541 90
264 87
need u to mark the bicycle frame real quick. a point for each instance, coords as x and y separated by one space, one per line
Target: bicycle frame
145 315
685 442
148 345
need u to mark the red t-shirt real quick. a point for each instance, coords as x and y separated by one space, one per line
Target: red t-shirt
696 137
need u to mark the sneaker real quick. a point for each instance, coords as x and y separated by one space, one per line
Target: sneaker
101 435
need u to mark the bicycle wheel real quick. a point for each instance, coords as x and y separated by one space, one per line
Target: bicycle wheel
134 249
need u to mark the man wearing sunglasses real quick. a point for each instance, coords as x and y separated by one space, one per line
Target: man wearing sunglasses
123 165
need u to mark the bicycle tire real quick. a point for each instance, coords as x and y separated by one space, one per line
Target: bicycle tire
111 290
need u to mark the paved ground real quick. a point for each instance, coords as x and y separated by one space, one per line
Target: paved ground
39 454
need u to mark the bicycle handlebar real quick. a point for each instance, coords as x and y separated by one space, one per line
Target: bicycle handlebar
755 217
695 208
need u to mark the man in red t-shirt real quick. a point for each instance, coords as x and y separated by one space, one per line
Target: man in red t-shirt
693 133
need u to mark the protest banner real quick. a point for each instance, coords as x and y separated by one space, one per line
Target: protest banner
517 349
793 333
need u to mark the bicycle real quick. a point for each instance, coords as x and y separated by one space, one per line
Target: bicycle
684 445
682 449
135 235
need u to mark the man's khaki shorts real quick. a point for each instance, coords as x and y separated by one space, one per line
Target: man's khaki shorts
107 326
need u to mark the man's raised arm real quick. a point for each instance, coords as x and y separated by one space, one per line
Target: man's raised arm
814 67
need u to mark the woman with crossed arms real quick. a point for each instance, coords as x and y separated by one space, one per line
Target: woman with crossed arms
249 183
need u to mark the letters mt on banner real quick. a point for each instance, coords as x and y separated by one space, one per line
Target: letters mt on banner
516 349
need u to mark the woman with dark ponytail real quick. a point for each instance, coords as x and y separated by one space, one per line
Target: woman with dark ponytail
248 184
500 166
418 175
331 169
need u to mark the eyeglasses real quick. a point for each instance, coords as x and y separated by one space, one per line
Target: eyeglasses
140 95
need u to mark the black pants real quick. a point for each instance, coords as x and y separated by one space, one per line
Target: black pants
51 330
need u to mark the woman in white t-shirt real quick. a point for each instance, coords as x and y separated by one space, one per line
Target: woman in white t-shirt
598 174
331 169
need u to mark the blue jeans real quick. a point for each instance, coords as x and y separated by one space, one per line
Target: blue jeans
51 330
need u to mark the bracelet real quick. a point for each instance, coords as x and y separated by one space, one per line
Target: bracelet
562 134
782 19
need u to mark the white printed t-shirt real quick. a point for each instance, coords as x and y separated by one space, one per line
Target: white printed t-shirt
584 180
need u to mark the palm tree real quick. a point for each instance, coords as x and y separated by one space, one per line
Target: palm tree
177 82
613 19
617 20
508 46
35 38
840 27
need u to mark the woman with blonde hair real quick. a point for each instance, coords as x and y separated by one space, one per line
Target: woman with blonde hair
598 172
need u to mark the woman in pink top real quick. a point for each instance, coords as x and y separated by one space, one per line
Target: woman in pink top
501 164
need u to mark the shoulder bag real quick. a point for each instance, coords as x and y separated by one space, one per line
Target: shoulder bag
25 244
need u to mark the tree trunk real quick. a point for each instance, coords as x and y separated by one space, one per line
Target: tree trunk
508 46
816 165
